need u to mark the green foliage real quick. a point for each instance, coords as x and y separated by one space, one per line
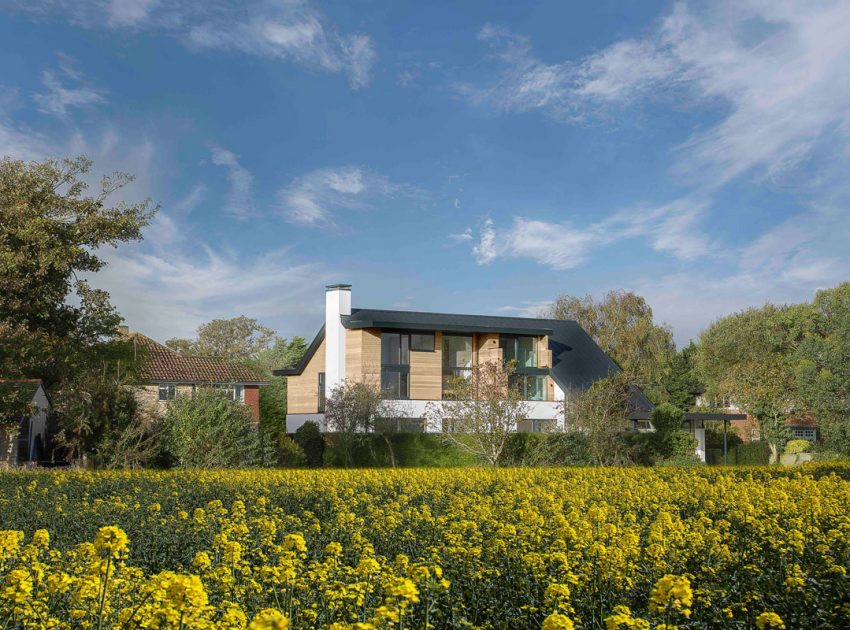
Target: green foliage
750 454
667 418
291 454
681 443
680 461
309 437
794 447
559 448
822 364
410 450
208 429
681 380
50 236
237 339
281 355
622 324
601 412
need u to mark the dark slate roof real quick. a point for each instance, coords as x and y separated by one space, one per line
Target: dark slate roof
577 361
161 363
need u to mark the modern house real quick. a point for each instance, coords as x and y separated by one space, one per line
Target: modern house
166 374
414 355
22 439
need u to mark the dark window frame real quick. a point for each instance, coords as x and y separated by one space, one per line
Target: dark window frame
396 368
322 397
170 391
431 334
453 370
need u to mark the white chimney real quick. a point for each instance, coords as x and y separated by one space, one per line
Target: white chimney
337 304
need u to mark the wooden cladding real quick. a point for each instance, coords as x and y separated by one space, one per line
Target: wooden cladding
302 391
426 372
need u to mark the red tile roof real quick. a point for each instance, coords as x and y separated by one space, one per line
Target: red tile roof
164 364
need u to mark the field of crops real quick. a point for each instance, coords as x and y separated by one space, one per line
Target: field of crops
462 548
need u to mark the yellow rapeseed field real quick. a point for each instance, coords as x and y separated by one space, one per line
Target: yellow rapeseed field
462 548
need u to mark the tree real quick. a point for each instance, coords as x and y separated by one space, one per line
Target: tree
351 410
51 233
822 366
747 357
237 339
208 430
622 324
483 412
601 412
681 382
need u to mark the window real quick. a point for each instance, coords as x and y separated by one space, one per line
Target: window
531 386
536 425
167 391
395 366
521 349
457 361
804 433
321 392
422 342
528 378
400 425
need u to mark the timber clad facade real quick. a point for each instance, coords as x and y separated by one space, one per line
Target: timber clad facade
413 357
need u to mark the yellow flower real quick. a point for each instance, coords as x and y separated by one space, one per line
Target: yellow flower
672 591
769 620
557 621
41 538
10 542
269 619
110 541
201 561
17 587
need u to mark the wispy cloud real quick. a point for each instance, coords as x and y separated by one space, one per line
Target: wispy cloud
317 197
672 229
67 89
239 202
191 200
296 31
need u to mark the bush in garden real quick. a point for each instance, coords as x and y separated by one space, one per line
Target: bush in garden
209 430
290 455
309 437
794 447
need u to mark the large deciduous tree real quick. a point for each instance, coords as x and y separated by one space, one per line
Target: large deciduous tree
681 383
51 234
822 363
747 357
622 324
238 339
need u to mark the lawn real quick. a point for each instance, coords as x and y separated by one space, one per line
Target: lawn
515 548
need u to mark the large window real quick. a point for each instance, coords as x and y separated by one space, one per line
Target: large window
422 342
457 361
395 366
521 349
528 377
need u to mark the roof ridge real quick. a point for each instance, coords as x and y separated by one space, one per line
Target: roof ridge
390 310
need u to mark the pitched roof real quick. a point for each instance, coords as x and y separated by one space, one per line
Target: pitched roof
577 361
164 364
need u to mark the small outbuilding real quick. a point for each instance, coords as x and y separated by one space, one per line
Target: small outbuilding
22 438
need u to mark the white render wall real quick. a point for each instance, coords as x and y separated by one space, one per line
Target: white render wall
337 303
537 410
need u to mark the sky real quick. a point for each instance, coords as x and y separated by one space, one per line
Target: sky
478 157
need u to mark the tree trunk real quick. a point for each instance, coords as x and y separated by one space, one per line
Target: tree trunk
774 453
390 449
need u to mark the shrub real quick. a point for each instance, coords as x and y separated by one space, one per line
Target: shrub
794 447
680 461
208 429
290 454
752 454
681 443
570 448
309 437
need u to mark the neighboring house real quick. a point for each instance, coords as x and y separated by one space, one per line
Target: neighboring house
166 374
25 443
801 426
412 355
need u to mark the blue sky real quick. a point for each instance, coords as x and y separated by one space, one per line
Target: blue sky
469 157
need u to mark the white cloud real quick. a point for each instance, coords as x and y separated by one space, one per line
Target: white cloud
67 88
191 200
672 229
317 197
167 293
289 30
240 198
